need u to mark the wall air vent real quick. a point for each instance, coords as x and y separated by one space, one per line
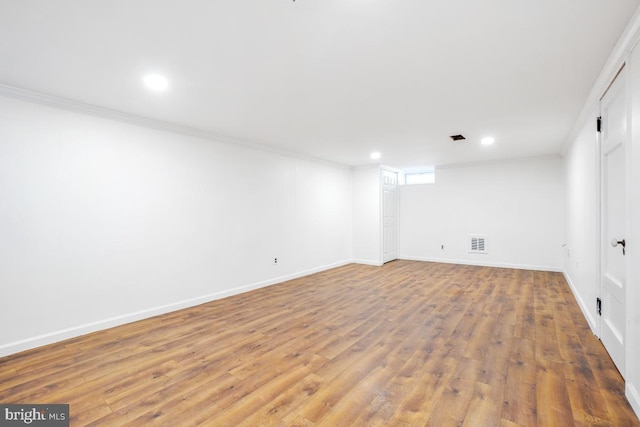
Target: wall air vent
457 137
478 245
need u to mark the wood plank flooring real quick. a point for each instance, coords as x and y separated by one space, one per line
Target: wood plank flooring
406 344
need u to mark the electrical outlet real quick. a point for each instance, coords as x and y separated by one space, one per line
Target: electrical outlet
275 260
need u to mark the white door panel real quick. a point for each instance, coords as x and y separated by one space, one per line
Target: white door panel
613 219
390 215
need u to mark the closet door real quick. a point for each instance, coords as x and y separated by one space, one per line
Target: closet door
613 260
389 215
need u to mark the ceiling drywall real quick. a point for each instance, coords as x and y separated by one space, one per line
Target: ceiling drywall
333 79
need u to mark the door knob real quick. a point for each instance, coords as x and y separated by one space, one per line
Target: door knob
622 242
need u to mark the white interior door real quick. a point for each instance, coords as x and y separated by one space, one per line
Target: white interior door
613 220
389 215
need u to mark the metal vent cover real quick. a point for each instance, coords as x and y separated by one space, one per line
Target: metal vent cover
478 244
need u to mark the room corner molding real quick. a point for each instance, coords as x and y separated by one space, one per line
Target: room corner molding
133 119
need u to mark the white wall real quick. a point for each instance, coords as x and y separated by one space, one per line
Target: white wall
517 204
103 222
581 220
367 215
582 217
581 262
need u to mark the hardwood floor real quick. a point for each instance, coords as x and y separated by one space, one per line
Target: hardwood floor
406 344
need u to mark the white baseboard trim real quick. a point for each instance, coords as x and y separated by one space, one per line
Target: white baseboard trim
484 264
76 331
583 306
633 397
367 262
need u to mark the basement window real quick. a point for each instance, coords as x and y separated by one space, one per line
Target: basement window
422 177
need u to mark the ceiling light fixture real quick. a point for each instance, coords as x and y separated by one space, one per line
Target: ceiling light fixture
375 155
487 140
156 82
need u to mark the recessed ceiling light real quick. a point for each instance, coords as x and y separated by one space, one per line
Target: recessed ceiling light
487 140
156 82
375 155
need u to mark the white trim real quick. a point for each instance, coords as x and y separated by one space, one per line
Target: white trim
76 331
381 214
367 262
633 397
583 306
119 116
484 264
598 219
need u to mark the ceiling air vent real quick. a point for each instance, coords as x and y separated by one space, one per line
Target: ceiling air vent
457 137
478 244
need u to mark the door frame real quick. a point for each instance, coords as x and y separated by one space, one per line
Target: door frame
384 169
600 240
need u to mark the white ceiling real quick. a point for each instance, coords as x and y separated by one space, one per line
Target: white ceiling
333 79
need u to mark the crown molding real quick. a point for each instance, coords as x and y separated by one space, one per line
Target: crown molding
133 119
